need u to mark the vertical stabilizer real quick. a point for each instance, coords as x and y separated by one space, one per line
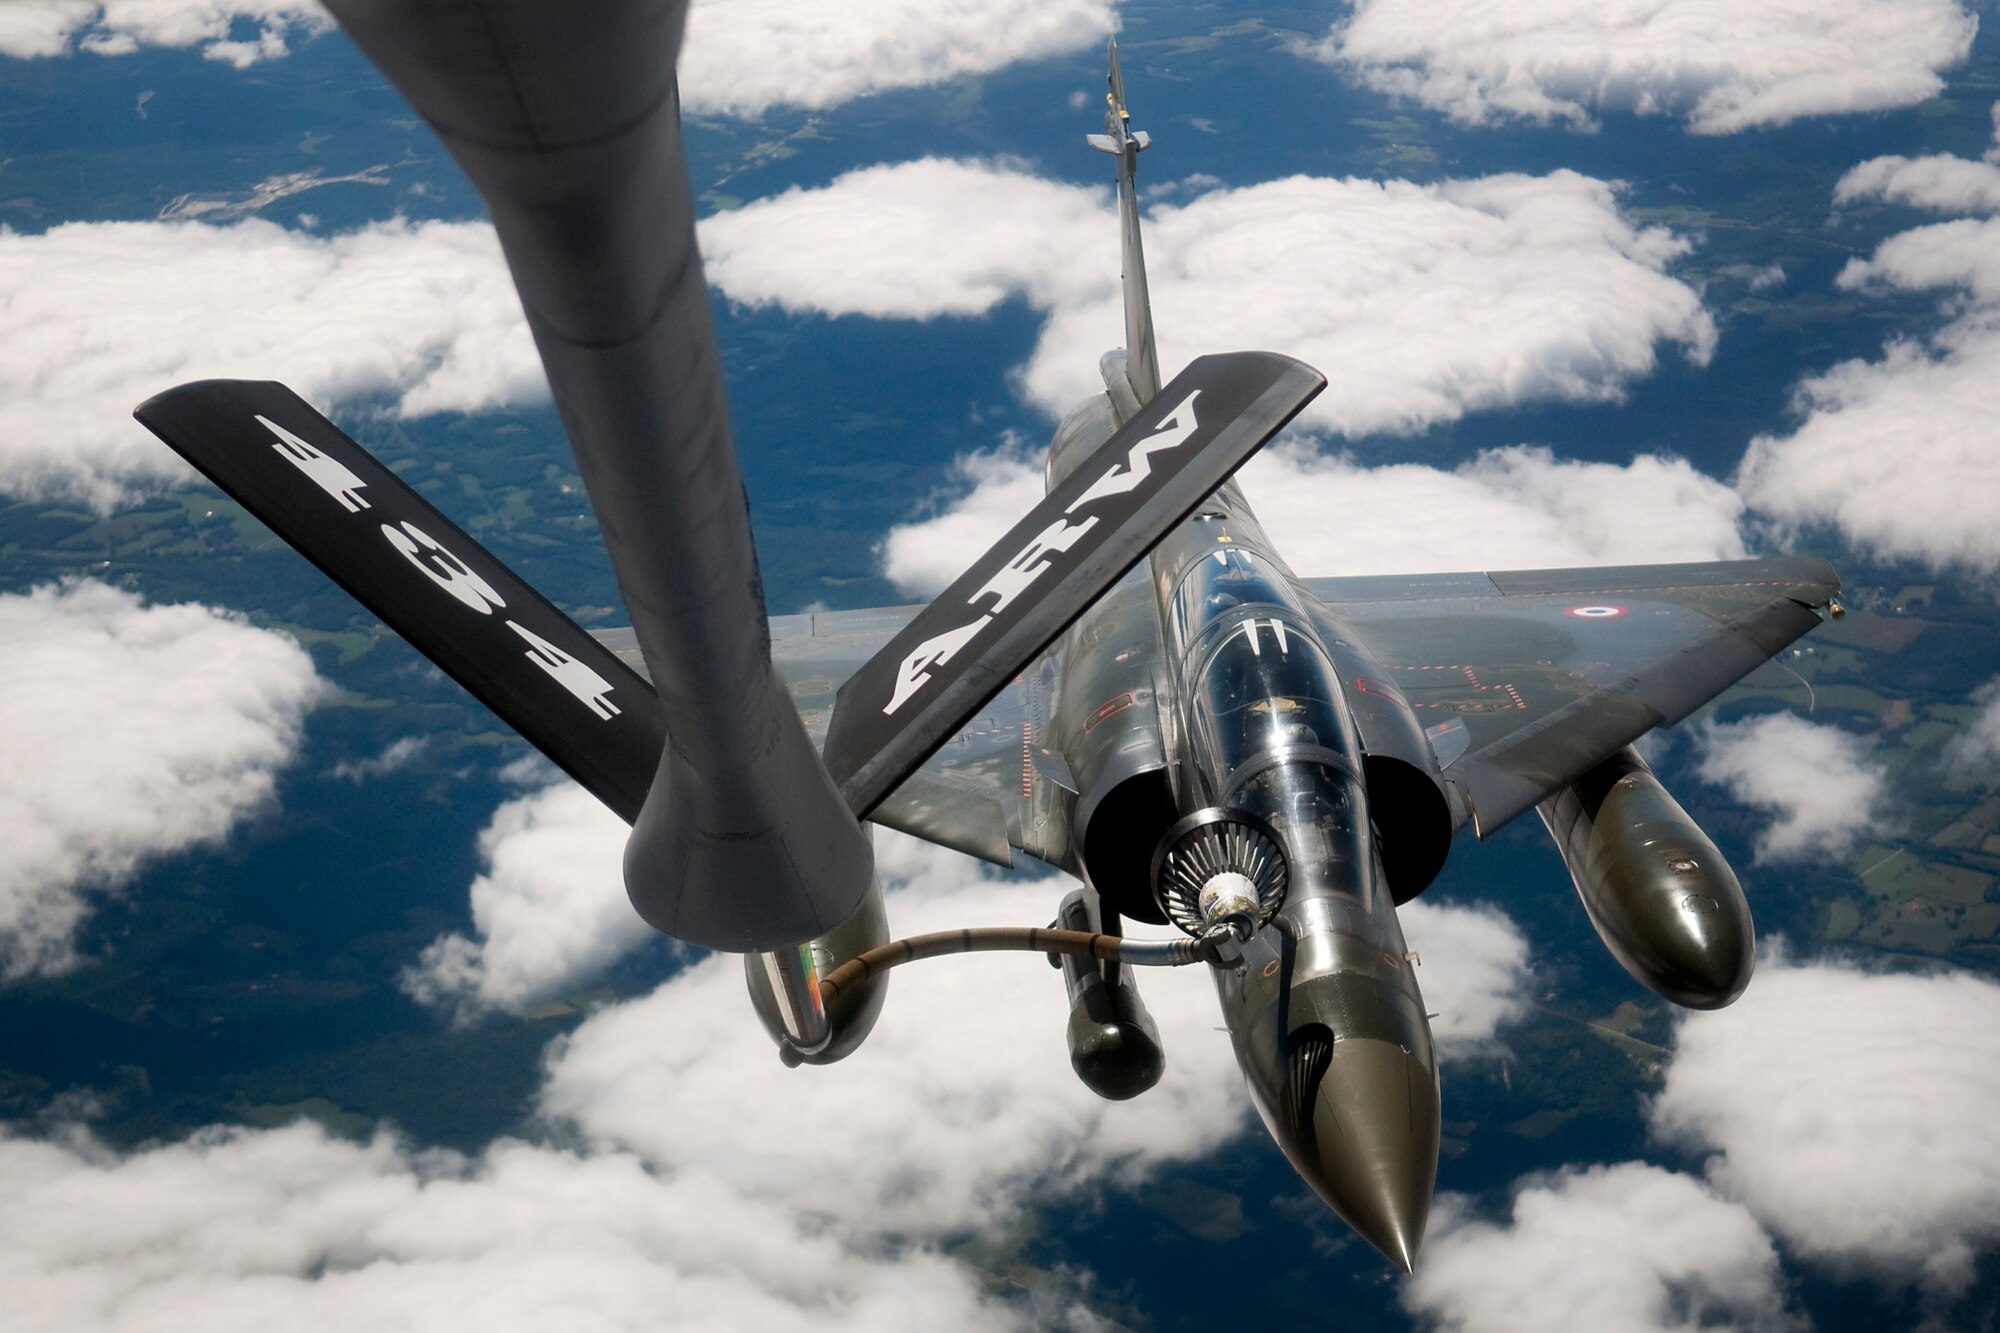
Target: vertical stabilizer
1142 358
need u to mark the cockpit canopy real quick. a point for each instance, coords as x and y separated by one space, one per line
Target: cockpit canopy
1219 583
1266 687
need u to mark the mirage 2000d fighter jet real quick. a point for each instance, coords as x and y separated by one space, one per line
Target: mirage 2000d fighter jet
1132 685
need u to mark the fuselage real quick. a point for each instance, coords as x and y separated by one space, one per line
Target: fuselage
1203 691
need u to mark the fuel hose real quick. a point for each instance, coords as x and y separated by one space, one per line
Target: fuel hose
1021 939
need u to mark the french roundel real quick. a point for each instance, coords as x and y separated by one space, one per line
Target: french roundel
1596 612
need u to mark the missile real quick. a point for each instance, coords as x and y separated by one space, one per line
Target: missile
1113 1043
1663 900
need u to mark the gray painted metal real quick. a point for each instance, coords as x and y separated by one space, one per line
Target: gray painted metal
1324 1010
1109 719
1552 670
1657 890
1114 1045
571 131
1142 356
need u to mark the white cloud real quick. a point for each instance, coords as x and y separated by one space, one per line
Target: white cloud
961 1106
1515 508
130 731
1823 786
31 28
915 240
422 312
1980 741
1628 1247
743 57
1723 68
1852 1112
240 1230
922 558
1939 181
1961 254
1473 971
740 58
1428 301
716 1187
1897 453
394 756
550 912
1548 292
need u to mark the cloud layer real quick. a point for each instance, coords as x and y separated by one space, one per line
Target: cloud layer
1474 972
1897 453
1547 291
1516 508
716 1187
1980 741
1852 1112
1629 1247
1424 301
131 731
241 1230
550 912
741 57
961 1108
421 312
1722 68
32 28
1822 786
1845 1116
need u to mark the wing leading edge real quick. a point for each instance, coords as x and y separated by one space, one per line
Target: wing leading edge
1528 678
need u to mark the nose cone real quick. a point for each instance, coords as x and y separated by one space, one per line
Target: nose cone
1707 953
1375 1134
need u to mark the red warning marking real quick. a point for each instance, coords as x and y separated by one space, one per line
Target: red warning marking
1471 674
1382 687
1595 612
1111 708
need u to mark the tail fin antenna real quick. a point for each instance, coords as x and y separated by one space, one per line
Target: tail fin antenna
1142 358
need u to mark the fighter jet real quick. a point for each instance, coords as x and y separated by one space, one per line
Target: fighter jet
1132 685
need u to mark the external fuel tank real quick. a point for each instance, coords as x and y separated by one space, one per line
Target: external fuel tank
1114 1045
1663 900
